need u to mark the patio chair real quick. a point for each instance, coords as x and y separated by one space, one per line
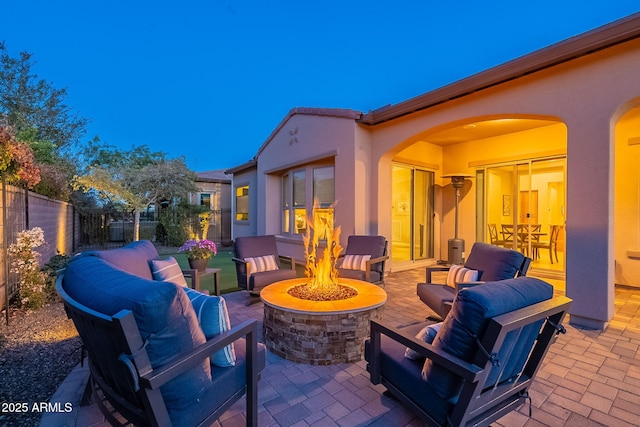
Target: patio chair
479 364
258 263
485 263
364 259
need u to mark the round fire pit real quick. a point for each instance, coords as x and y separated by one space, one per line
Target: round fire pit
319 332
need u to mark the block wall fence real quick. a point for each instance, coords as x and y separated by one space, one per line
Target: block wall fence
25 210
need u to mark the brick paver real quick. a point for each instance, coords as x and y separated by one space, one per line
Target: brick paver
589 378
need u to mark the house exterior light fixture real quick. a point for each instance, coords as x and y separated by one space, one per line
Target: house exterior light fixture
456 245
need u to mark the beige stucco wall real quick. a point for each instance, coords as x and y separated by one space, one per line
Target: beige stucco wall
315 139
585 97
584 94
245 228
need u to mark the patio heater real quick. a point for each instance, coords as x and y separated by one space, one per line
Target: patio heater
456 245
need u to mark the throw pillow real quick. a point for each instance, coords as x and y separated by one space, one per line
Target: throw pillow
460 274
355 262
262 263
426 334
213 317
167 270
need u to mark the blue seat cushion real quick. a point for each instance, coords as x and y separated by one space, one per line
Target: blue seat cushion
435 295
227 381
164 315
469 317
404 373
260 280
374 276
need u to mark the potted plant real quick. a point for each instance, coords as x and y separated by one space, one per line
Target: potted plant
198 252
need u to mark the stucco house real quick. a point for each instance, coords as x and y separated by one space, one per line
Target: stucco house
215 195
549 139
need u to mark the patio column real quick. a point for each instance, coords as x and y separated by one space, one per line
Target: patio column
589 228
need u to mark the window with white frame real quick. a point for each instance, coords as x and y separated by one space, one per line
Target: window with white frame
299 194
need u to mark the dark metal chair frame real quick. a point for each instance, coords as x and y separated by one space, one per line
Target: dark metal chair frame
132 387
478 404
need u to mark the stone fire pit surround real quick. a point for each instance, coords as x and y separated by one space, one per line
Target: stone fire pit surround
320 332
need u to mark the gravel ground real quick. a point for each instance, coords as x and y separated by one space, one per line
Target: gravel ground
38 349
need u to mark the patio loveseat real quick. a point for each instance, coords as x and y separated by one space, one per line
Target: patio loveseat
159 353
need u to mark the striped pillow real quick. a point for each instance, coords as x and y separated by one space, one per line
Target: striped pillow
213 317
355 262
460 274
167 270
261 263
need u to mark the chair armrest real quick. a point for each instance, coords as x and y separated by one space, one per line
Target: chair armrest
369 263
288 259
455 365
434 269
239 261
464 285
181 363
377 260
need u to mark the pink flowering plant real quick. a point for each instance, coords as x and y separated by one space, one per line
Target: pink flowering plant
25 261
199 249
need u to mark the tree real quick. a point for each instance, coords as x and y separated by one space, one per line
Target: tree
29 103
137 178
17 162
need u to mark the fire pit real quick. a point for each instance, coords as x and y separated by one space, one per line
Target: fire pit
319 332
321 319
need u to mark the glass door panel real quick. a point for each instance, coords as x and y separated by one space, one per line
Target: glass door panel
526 204
412 214
423 215
401 178
500 182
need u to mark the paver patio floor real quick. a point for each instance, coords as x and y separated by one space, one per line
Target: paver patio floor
590 378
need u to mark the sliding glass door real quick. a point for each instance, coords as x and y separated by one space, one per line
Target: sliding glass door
412 214
525 204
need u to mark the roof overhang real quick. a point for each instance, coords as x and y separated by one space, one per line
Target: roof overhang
603 37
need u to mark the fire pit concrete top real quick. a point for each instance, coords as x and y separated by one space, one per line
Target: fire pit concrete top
369 297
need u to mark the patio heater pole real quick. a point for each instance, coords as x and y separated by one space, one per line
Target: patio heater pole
456 245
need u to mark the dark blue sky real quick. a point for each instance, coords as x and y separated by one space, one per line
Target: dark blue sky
210 79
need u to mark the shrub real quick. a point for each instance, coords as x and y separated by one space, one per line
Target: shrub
56 263
25 261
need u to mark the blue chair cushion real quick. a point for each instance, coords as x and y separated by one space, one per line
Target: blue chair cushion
469 316
493 262
227 381
132 258
164 315
260 280
374 276
405 374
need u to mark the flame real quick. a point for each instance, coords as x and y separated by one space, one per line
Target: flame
321 271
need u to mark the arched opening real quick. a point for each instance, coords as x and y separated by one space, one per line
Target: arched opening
627 198
518 169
